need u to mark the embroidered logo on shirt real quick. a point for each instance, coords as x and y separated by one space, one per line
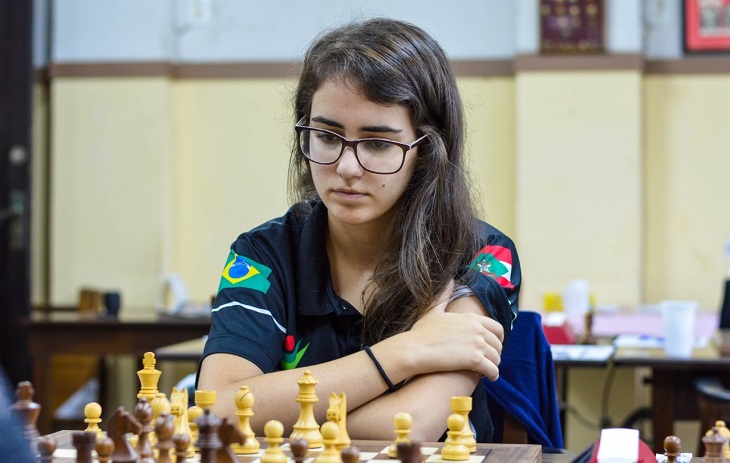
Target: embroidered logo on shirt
494 262
292 354
242 272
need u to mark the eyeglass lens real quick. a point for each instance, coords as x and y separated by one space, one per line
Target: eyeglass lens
375 155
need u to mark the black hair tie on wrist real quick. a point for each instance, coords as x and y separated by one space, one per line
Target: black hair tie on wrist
391 387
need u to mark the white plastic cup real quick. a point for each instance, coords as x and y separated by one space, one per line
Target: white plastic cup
678 320
576 297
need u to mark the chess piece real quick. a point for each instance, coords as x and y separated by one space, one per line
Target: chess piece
179 410
164 430
306 426
244 411
462 406
587 337
182 443
454 448
724 432
299 448
194 413
104 448
160 405
208 440
84 442
26 409
92 412
119 424
273 432
228 434
713 443
672 445
46 446
148 377
143 413
337 413
409 452
205 399
402 422
329 454
351 455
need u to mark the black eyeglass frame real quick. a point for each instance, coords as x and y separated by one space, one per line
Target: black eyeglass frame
406 147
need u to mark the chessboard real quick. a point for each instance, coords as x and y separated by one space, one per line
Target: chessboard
196 435
369 451
162 430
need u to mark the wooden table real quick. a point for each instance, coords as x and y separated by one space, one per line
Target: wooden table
68 333
514 453
673 392
189 350
566 357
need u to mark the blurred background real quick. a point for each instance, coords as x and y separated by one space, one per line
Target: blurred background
161 133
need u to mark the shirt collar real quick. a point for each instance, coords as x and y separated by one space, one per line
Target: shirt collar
314 286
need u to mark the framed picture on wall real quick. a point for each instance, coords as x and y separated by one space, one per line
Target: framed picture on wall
571 26
706 26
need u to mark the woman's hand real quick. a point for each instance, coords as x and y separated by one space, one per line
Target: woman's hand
458 336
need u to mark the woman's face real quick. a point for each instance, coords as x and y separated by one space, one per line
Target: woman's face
353 195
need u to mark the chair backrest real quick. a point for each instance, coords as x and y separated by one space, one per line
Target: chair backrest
525 391
513 432
713 404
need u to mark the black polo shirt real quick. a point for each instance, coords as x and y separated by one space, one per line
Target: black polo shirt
276 306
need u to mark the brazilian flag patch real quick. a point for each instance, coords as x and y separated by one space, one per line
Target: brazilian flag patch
242 272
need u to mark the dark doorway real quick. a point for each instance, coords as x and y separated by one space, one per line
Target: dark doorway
16 74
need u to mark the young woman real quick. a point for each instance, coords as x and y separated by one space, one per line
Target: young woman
379 280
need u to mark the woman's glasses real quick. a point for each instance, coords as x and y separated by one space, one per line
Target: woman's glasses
376 155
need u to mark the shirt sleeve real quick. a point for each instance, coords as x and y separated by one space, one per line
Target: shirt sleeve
495 276
249 317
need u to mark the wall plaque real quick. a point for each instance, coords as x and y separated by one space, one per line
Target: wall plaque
571 26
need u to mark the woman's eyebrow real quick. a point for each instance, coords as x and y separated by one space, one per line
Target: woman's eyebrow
374 128
325 121
380 129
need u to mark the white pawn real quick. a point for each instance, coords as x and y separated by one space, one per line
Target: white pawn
454 448
273 430
402 422
330 431
92 411
194 413
160 405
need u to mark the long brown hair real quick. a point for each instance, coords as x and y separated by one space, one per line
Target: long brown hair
394 62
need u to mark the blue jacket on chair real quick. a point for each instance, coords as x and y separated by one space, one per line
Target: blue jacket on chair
526 385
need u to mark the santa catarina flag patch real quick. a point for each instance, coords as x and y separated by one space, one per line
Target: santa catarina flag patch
242 272
494 262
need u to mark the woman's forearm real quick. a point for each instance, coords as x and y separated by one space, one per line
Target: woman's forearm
426 398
